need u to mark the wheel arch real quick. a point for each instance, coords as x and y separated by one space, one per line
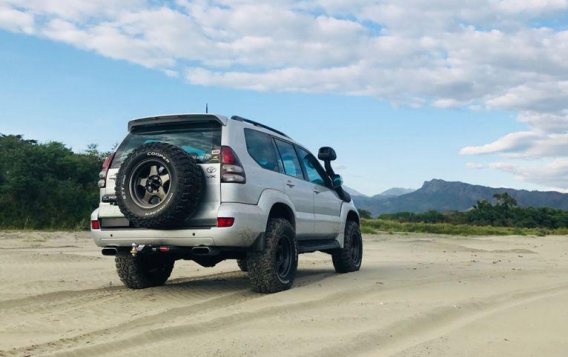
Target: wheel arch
276 204
348 213
282 210
353 216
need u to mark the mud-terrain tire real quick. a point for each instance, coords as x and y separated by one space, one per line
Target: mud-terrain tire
274 268
142 272
349 258
159 186
242 263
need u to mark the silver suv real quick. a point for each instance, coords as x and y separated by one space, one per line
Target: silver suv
208 188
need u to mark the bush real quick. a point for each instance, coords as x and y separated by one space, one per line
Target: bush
46 185
504 213
365 214
389 226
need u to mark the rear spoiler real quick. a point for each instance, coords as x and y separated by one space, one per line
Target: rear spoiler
176 118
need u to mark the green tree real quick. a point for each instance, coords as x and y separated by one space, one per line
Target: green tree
46 185
365 214
505 200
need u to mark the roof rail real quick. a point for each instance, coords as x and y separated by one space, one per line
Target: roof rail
238 118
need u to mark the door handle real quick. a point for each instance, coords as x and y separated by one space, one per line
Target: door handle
316 191
290 184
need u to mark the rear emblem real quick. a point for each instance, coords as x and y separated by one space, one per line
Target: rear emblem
211 170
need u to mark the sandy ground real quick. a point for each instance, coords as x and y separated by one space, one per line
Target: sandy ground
416 295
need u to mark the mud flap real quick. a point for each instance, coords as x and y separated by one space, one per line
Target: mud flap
259 244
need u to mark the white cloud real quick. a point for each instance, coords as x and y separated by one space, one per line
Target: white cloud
524 144
515 6
15 20
474 166
555 122
481 54
76 10
553 174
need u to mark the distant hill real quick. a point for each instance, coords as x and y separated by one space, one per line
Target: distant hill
391 192
353 192
441 195
396 191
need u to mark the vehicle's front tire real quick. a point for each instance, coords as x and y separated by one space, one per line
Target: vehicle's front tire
274 268
349 258
140 272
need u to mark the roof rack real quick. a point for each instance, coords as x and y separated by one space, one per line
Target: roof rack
238 118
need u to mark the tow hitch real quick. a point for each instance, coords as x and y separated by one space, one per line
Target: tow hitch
143 248
136 248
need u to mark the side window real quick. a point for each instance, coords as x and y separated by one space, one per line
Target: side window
290 159
313 168
261 148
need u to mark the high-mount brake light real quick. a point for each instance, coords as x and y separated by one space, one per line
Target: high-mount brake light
104 170
232 170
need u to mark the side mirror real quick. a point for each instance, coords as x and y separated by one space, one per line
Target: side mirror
337 181
327 154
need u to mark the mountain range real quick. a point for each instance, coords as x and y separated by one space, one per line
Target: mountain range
442 195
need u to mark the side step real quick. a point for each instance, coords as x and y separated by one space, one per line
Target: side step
309 246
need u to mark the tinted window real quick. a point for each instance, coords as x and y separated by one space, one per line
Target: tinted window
261 149
313 168
289 159
201 140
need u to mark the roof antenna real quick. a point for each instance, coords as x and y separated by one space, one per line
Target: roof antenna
206 108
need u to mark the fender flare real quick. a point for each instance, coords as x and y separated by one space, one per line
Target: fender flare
269 198
347 210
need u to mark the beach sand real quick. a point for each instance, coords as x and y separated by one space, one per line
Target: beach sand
416 295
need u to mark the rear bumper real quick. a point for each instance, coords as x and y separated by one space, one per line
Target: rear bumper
250 223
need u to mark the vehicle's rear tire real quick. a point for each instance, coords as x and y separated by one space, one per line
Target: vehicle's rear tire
274 268
349 258
143 271
159 186
242 263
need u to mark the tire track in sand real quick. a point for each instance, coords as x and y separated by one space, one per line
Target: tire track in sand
231 319
206 288
426 326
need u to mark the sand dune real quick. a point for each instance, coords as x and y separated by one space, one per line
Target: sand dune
415 295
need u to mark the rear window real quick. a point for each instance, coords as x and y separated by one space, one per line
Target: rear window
201 140
289 159
261 149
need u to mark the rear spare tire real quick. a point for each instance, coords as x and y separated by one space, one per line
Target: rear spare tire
159 186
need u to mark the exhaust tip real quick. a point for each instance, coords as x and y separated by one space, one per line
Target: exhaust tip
109 251
201 250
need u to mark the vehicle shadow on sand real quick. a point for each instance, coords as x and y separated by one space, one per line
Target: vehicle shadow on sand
237 280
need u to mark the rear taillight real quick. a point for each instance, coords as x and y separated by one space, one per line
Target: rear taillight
104 170
225 222
95 225
232 170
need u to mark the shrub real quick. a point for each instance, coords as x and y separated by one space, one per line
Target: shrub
46 185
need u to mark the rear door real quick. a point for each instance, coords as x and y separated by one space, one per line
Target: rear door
201 140
298 189
327 205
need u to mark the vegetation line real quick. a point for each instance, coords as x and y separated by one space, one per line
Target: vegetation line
48 186
373 226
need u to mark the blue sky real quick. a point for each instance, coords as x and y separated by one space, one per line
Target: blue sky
400 105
